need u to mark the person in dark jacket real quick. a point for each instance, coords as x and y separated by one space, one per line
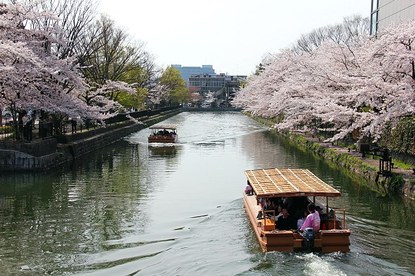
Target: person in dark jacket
285 221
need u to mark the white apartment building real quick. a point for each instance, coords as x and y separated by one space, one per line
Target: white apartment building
386 12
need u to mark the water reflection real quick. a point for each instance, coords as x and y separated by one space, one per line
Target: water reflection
163 151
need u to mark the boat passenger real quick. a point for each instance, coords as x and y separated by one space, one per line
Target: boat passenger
272 205
248 189
301 220
319 210
285 221
278 212
312 220
267 204
261 202
260 215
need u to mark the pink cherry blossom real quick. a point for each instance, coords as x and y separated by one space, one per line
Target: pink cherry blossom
361 84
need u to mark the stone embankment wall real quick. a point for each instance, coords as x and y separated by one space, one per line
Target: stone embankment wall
53 152
365 171
40 154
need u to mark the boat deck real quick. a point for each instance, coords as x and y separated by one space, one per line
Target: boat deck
325 241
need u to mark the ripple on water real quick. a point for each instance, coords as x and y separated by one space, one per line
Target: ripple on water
123 257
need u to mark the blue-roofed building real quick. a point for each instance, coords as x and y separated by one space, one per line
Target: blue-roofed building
187 71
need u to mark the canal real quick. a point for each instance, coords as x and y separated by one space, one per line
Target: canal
132 209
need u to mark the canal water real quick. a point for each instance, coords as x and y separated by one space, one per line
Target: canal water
135 209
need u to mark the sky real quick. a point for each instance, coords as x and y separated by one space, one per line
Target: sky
232 35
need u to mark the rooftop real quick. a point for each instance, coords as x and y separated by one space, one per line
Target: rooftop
288 183
165 126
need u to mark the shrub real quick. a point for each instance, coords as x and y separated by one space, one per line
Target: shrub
6 129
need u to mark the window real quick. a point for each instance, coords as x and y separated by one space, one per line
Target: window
374 23
375 5
374 17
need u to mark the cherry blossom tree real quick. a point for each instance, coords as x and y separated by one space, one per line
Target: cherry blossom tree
339 86
347 32
389 91
75 16
158 95
30 76
99 95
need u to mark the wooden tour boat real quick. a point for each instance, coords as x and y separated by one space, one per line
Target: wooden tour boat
296 188
163 134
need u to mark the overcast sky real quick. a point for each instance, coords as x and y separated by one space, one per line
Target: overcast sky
231 35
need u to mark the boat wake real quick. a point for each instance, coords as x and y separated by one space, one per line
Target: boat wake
319 265
123 257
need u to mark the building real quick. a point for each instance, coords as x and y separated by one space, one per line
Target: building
386 12
221 86
187 71
204 83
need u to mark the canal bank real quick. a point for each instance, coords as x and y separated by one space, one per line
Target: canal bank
49 153
363 169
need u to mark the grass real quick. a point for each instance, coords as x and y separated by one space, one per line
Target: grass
402 165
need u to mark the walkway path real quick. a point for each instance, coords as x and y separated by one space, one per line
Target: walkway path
406 173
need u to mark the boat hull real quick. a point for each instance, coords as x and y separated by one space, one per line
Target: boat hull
162 139
326 241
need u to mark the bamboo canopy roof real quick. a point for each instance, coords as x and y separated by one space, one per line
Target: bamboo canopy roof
288 183
166 126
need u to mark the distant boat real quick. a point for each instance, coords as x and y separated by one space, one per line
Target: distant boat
163 134
296 188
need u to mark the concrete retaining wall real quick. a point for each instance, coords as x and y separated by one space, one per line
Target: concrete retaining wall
12 160
84 146
36 148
